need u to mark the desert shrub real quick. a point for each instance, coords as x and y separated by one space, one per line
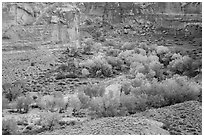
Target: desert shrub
6 86
104 107
75 104
111 106
57 94
87 64
134 104
95 90
47 102
140 51
170 91
113 52
9 127
97 46
107 106
128 46
152 57
23 103
140 86
155 65
162 50
103 65
156 69
11 91
49 120
110 43
84 99
156 101
52 103
179 89
73 51
97 64
125 54
180 64
136 82
165 58
59 104
63 67
140 76
126 87
87 48
137 58
137 67
97 107
107 70
115 62
5 103
135 91
148 65
144 46
128 102
19 83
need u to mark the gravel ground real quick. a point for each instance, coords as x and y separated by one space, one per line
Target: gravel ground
114 126
17 65
180 119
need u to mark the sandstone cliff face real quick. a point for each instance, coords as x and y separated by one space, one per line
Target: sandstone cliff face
16 15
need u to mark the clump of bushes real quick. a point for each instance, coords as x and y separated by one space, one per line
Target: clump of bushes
9 127
98 66
162 50
128 46
13 90
144 94
49 120
74 103
133 103
180 64
147 65
179 89
5 103
115 62
23 103
87 46
95 90
52 103
84 99
113 52
170 91
104 107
